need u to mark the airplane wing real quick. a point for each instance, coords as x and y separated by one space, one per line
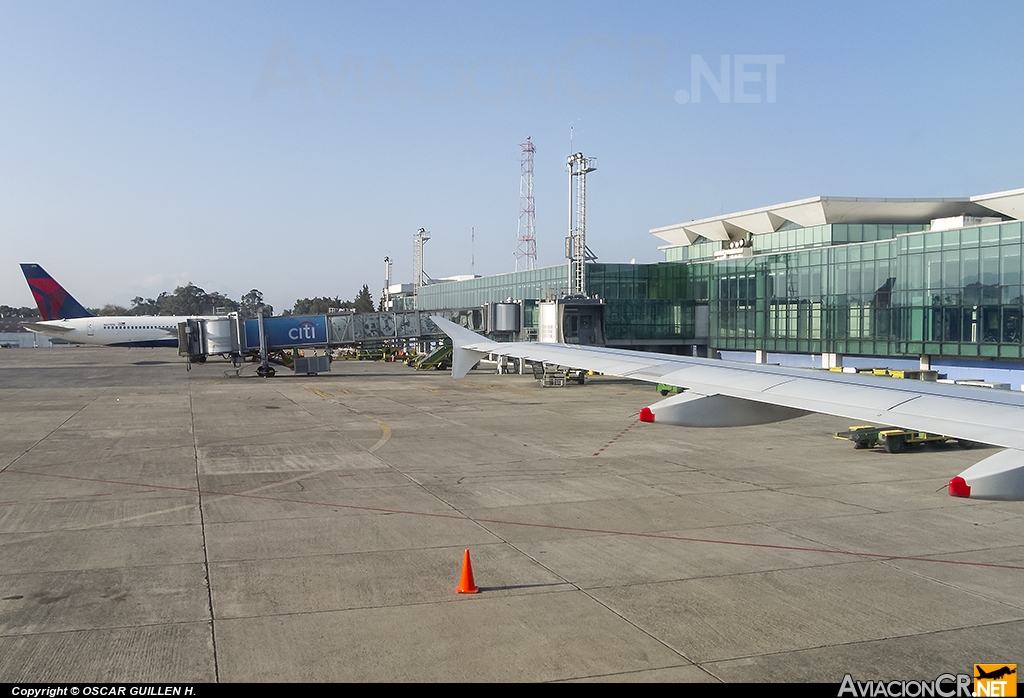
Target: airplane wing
45 328
725 393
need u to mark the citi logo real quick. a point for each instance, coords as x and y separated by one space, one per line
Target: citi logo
304 330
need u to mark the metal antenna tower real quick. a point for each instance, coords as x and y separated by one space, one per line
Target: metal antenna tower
419 239
576 250
526 241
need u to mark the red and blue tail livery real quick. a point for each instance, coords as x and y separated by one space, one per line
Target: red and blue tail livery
54 302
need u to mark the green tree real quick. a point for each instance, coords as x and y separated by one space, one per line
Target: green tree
251 304
189 300
222 302
364 302
321 305
23 312
186 300
110 309
143 306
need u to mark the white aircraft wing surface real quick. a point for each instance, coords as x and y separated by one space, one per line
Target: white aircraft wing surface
46 327
725 393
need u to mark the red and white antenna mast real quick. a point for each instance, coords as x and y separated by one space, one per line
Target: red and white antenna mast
526 240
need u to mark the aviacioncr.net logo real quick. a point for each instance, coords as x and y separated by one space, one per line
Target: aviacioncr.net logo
944 686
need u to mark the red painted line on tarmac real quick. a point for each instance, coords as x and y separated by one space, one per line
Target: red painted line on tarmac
102 494
617 437
555 527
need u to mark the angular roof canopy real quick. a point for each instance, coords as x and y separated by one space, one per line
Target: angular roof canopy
1009 203
822 210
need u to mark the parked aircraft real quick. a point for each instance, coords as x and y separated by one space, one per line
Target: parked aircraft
65 318
725 393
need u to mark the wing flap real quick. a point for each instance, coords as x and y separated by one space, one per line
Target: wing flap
977 420
854 401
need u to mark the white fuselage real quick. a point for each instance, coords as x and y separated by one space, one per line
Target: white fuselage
126 331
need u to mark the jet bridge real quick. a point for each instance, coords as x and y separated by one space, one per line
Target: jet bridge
236 338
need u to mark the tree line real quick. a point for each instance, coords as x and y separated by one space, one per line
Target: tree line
23 313
321 305
193 300
189 300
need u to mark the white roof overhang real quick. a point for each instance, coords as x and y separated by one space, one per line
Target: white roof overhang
822 210
1008 203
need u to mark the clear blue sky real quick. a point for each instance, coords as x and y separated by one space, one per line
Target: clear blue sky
291 146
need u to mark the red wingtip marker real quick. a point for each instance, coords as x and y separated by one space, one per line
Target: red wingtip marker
646 415
958 487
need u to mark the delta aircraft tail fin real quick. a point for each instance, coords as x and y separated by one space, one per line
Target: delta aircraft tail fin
54 302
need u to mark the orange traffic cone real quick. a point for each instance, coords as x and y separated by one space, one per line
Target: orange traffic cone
466 584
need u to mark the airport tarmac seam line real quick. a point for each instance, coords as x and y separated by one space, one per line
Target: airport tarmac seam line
54 430
132 626
150 450
456 598
595 600
638 673
853 643
202 530
950 585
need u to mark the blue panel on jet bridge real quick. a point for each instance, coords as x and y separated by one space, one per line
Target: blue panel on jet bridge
286 332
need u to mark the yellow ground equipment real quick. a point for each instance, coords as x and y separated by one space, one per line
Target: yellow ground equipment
894 439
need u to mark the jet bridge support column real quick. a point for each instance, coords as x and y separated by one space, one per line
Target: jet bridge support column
265 368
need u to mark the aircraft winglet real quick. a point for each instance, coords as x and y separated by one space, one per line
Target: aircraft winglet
467 346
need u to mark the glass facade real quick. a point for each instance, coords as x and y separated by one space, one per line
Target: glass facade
547 282
874 290
645 301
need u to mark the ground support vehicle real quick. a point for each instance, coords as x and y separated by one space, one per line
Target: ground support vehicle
894 439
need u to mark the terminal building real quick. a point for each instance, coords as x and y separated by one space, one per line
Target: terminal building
935 282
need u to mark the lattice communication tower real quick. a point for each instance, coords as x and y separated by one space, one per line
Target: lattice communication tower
526 240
